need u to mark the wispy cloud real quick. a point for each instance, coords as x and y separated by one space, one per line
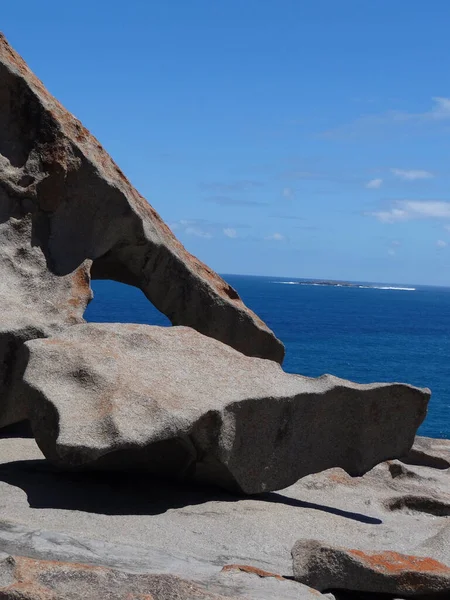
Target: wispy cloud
228 201
197 228
230 232
288 193
276 237
242 185
206 229
394 245
374 184
412 174
441 244
288 217
405 210
437 113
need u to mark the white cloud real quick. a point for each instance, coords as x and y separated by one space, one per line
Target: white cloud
196 227
278 237
441 244
288 193
230 232
374 184
439 111
412 174
392 250
198 232
390 216
406 210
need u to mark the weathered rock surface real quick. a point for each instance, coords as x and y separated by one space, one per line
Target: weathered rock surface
65 208
34 302
325 567
25 578
144 525
428 452
178 403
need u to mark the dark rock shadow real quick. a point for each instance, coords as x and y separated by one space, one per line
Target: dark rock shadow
129 493
280 499
17 430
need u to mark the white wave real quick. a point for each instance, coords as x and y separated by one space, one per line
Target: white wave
362 287
387 287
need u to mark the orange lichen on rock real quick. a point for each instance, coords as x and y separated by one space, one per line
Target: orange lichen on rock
395 563
28 579
251 570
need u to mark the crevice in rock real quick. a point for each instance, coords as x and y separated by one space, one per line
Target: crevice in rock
422 504
423 459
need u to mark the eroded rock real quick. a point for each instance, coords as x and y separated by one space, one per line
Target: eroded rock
34 301
428 452
178 403
26 578
326 567
77 210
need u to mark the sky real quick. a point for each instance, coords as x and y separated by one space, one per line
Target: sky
275 137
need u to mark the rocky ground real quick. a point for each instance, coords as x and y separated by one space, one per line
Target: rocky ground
142 525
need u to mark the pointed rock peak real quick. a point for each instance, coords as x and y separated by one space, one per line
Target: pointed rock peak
84 213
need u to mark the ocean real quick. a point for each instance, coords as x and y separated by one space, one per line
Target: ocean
365 333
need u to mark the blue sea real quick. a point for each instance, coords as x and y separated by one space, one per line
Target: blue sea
365 334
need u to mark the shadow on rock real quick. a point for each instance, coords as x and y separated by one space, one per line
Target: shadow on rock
280 499
127 493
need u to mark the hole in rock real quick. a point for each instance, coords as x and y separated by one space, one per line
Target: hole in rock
115 302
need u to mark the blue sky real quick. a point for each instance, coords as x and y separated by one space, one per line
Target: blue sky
276 137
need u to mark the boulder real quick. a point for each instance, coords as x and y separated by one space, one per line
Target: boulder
26 578
326 567
66 209
33 579
178 403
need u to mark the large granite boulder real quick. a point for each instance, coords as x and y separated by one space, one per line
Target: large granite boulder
67 212
178 403
325 567
23 578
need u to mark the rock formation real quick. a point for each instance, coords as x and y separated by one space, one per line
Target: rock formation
66 210
22 577
326 567
205 402
179 403
29 579
227 544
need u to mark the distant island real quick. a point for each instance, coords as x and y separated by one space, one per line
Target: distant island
333 283
330 283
